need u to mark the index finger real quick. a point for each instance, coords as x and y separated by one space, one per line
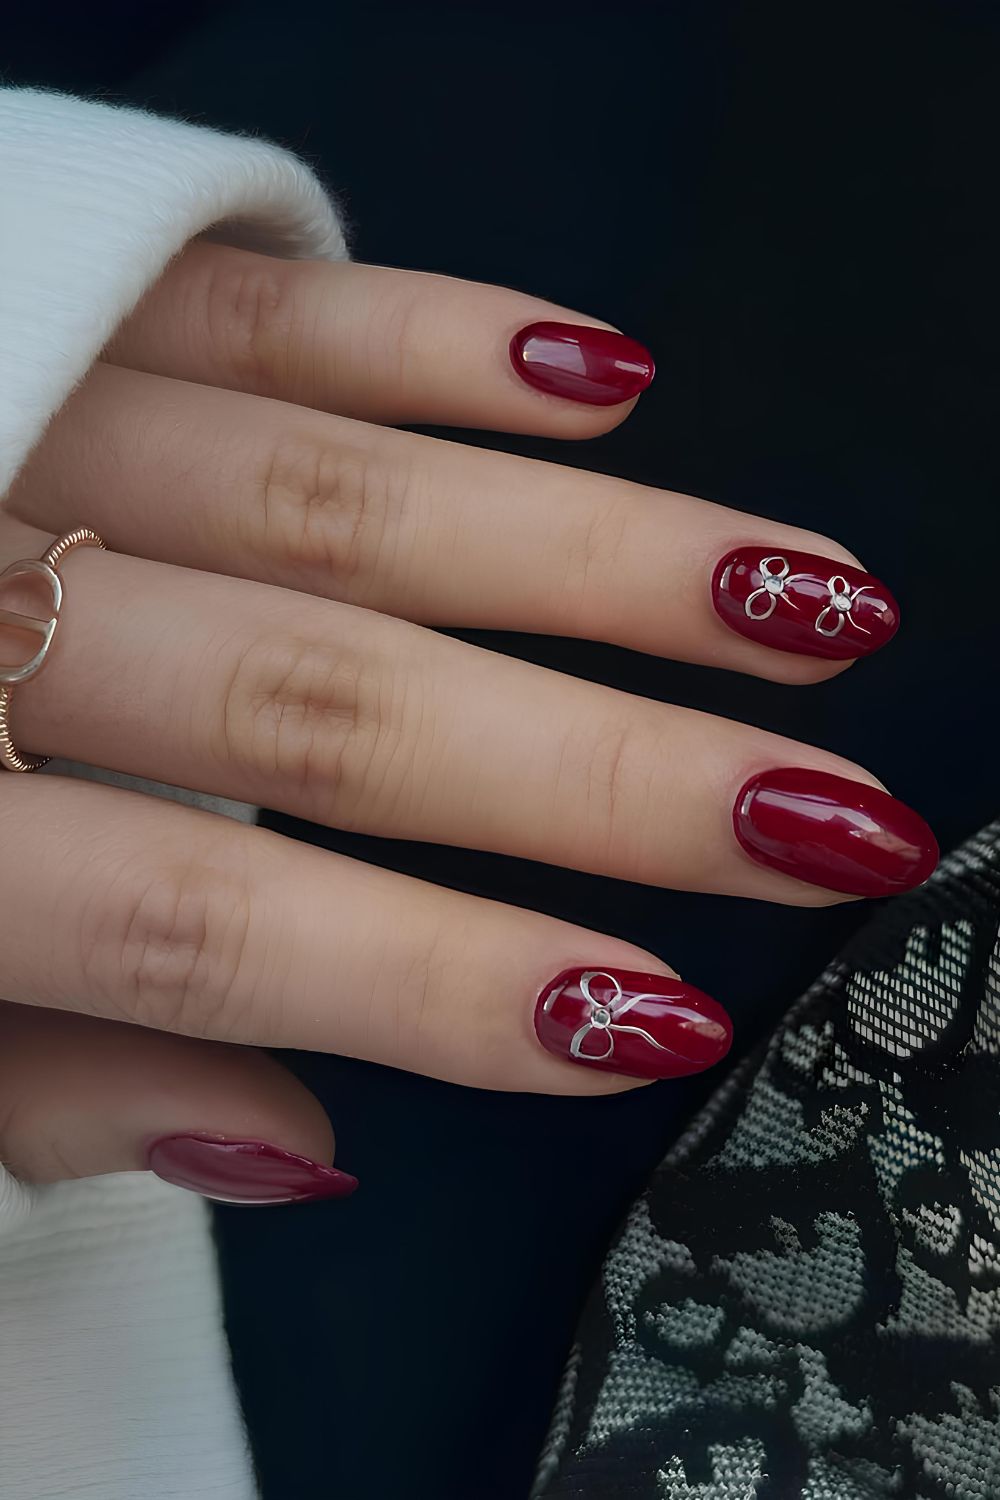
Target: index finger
384 345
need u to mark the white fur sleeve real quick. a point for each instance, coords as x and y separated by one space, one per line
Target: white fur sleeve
94 201
114 1376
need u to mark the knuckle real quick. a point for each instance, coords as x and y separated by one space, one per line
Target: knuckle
617 791
253 311
416 1014
315 716
603 542
167 952
395 333
595 557
31 1147
325 512
413 1014
20 1129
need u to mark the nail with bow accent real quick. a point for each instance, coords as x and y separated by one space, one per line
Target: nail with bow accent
798 601
639 1025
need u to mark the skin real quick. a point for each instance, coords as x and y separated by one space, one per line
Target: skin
258 631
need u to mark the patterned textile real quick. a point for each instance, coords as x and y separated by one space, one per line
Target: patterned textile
806 1300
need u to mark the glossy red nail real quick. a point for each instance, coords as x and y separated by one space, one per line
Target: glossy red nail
593 365
833 832
250 1172
798 601
642 1025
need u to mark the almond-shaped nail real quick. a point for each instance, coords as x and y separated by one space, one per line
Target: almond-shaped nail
833 832
801 602
592 365
640 1025
249 1172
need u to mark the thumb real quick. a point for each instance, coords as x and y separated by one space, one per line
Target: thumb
80 1097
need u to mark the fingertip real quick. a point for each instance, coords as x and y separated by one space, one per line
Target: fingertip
245 1173
798 671
843 833
90 1096
584 423
254 1096
592 371
802 604
637 1023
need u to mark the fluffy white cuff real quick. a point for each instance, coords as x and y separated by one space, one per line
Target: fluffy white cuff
113 1366
94 201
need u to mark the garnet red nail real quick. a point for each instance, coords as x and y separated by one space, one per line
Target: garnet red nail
642 1025
593 365
798 601
833 832
251 1172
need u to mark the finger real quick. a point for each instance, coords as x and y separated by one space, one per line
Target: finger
83 1097
385 345
439 533
132 908
363 722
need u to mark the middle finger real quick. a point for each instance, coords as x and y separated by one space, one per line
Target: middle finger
444 534
364 722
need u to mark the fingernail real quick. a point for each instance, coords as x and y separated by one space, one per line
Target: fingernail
833 832
250 1172
798 601
642 1025
593 365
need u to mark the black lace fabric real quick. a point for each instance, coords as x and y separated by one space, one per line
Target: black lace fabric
806 1300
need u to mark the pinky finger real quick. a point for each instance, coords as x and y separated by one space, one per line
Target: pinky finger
83 1096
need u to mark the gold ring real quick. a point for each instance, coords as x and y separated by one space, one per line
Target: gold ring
10 677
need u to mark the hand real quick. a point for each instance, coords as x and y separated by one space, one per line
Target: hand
259 631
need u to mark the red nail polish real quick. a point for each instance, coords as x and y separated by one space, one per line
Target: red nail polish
593 365
250 1172
833 832
797 601
642 1025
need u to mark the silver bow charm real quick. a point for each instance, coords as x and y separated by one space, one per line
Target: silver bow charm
604 1019
842 601
771 590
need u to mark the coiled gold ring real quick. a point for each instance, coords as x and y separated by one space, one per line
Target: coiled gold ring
45 567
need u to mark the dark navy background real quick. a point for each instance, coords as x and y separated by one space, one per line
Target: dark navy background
789 204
